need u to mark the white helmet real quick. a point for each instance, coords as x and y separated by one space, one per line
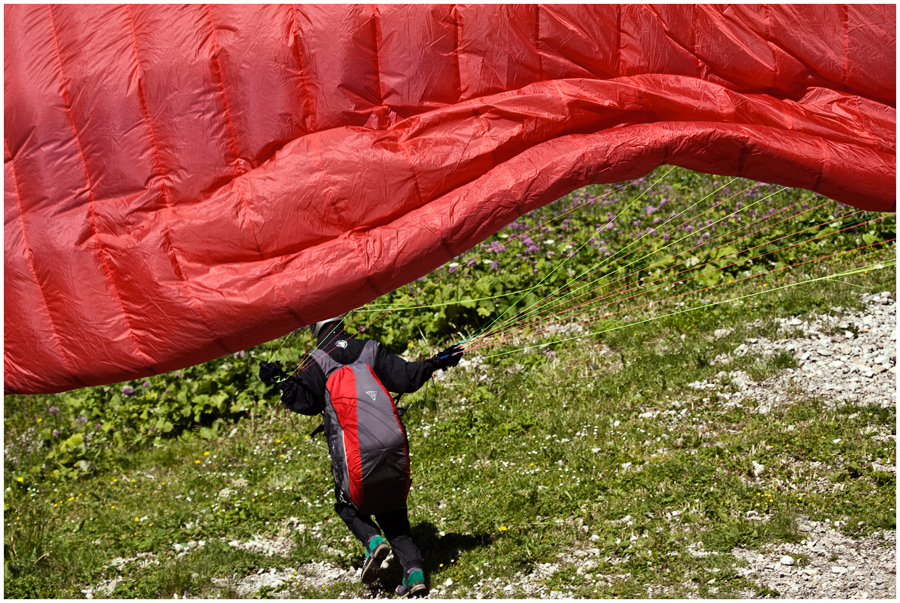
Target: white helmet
317 327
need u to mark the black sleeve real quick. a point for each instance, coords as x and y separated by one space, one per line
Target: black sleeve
305 392
400 376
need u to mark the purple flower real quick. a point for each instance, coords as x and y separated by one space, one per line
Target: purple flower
530 246
127 390
657 220
97 426
666 237
494 265
81 420
55 432
146 384
52 410
689 229
168 391
240 354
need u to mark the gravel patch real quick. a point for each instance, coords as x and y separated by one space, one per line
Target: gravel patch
825 565
851 357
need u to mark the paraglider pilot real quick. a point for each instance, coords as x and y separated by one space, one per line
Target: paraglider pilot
349 380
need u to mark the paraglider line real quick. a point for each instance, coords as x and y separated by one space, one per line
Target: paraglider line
490 324
717 269
524 313
545 310
709 305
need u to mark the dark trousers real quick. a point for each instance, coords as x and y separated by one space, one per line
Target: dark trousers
396 529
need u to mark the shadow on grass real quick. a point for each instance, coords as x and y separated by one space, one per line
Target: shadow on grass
437 549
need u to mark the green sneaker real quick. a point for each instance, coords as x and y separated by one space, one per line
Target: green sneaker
413 584
376 551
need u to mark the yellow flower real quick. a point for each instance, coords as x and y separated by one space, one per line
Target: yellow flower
39 420
502 528
197 462
278 441
20 479
206 453
137 518
112 506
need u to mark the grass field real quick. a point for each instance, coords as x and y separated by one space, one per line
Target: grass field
591 443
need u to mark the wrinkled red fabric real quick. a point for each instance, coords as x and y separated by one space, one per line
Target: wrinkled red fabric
182 182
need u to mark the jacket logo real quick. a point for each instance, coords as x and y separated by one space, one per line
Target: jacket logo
341 344
372 394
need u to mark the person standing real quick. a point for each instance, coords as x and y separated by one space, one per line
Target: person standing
376 447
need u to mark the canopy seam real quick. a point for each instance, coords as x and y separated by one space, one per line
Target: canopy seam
165 194
104 262
30 262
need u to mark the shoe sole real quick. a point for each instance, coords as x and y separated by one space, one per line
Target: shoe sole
419 590
372 566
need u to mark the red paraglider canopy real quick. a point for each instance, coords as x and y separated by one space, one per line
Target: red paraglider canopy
186 181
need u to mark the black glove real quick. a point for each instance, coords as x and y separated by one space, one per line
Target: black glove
271 372
449 357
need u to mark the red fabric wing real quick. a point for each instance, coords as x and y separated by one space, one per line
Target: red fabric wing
182 182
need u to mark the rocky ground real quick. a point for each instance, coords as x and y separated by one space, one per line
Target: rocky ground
851 356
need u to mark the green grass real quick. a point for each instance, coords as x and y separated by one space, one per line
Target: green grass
597 443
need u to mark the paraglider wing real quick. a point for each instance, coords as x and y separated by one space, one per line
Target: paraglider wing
182 182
